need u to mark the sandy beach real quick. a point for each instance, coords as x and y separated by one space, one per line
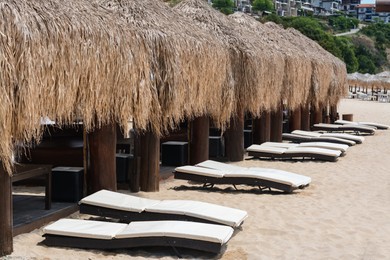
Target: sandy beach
343 214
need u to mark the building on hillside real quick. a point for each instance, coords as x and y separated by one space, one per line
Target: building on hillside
349 7
367 13
287 7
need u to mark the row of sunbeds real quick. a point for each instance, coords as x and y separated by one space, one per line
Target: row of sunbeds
187 223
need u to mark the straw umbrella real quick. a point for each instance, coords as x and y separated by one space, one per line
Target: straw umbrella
191 73
296 79
74 59
256 69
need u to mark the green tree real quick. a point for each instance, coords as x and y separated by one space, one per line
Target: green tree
263 5
225 6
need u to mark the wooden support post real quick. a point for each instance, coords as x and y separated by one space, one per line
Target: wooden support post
277 124
199 140
6 221
234 138
318 111
102 172
262 128
333 114
295 119
150 162
305 117
134 179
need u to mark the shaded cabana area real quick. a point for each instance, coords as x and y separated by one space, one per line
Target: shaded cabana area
76 60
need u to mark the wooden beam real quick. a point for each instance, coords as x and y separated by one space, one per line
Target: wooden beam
305 118
6 216
262 128
102 149
295 119
150 162
277 124
199 140
234 138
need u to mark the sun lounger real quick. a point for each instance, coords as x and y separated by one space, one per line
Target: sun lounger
306 139
131 208
371 124
264 151
89 234
210 173
356 139
344 128
332 146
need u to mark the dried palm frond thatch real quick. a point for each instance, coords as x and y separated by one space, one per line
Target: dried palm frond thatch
61 59
256 68
190 71
75 59
329 78
297 64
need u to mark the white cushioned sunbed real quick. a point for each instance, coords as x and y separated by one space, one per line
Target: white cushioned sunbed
276 175
377 125
108 235
296 138
342 128
332 146
269 178
131 208
264 151
357 139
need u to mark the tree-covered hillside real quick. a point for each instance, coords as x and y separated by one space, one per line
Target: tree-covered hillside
365 51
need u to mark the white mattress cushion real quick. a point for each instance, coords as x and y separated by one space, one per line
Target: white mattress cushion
219 166
326 145
180 229
343 122
306 133
84 228
200 171
224 215
313 150
330 126
294 178
344 136
291 179
375 124
116 200
357 127
279 144
266 149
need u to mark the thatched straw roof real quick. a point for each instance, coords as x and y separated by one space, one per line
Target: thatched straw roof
256 68
58 59
328 74
75 59
191 72
296 63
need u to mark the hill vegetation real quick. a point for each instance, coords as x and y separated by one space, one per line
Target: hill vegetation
365 51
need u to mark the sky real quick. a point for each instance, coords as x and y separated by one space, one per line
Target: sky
368 2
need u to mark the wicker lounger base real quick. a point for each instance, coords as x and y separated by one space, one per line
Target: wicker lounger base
291 156
128 216
235 181
90 243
